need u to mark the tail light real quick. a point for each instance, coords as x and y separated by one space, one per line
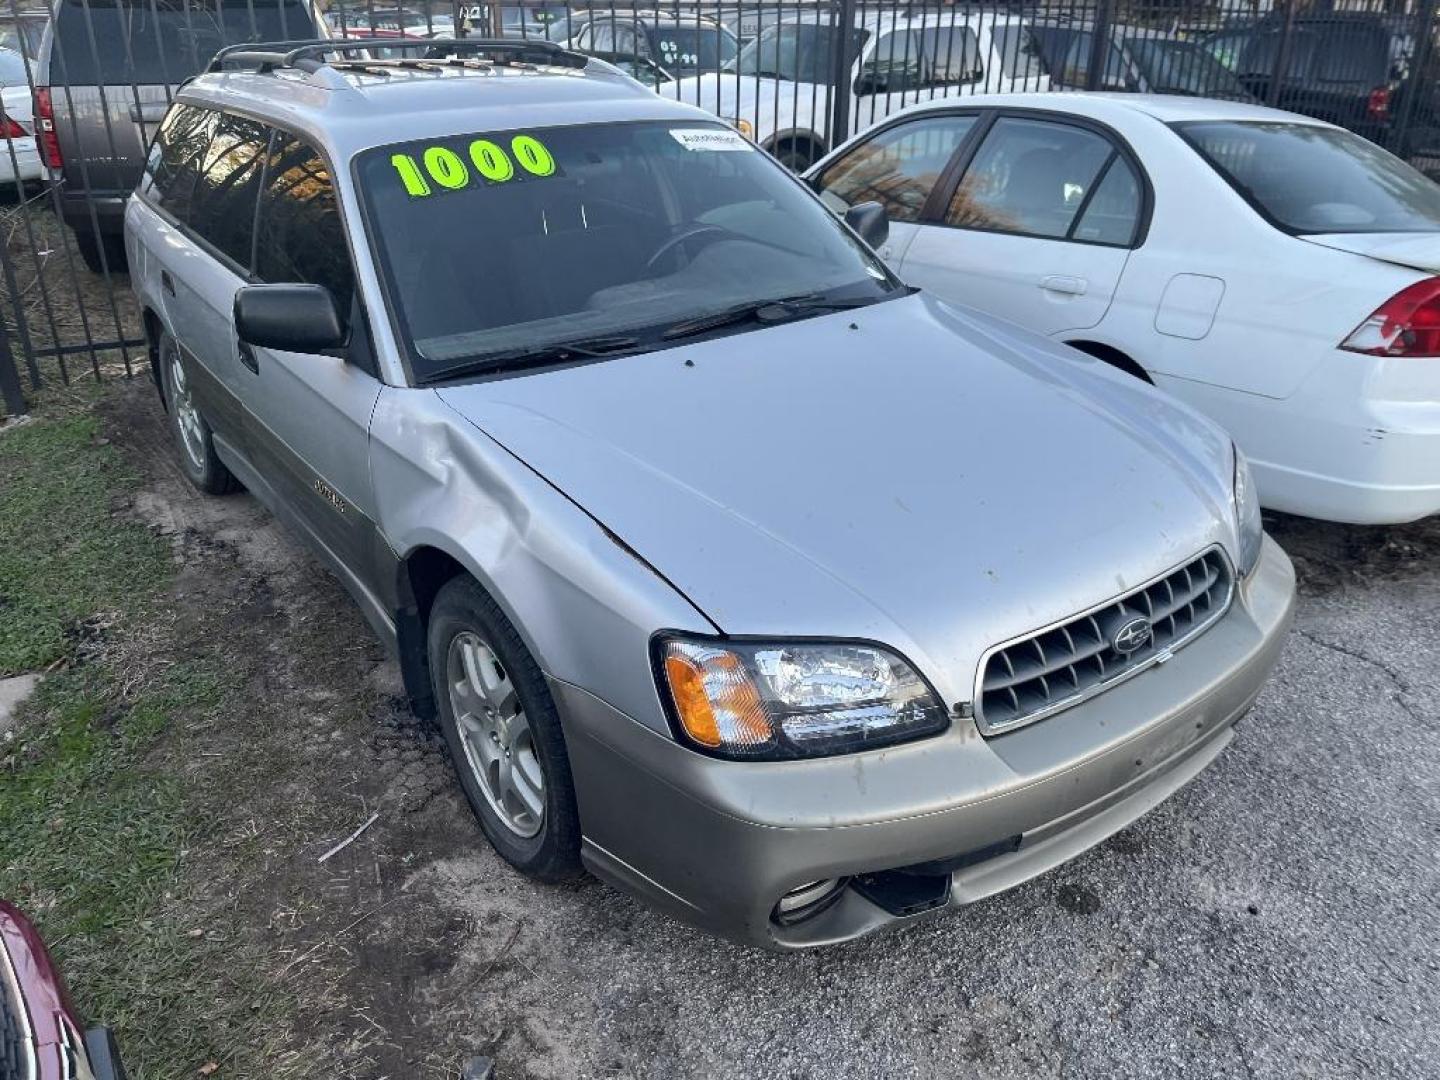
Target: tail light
10 129
1408 324
1378 106
45 127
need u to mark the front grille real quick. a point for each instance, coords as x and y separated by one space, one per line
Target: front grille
1040 674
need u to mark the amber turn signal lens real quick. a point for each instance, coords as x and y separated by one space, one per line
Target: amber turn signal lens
687 687
715 697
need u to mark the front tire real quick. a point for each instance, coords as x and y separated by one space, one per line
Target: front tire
504 733
193 437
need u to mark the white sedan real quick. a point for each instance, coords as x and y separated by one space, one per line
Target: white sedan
1275 272
19 155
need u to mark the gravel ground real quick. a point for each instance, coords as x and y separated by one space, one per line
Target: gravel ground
1277 918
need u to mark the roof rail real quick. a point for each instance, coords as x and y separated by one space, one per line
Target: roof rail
266 57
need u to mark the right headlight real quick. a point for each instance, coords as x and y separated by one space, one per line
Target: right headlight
1247 515
780 699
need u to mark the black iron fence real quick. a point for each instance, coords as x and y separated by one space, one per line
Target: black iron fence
86 83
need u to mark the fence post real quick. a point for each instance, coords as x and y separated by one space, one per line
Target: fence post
1413 86
1282 55
1099 45
843 57
10 377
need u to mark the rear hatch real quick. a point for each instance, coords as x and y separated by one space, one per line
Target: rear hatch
115 63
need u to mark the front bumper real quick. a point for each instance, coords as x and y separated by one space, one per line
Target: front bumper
717 843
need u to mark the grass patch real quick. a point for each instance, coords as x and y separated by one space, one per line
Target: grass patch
63 556
97 818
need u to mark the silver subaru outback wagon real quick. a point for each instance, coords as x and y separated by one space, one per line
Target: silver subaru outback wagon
734 570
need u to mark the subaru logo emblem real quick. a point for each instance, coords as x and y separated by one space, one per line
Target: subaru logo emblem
1131 636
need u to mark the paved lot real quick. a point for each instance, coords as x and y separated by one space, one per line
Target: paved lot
1278 918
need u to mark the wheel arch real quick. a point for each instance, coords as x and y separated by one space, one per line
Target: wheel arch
420 574
813 139
154 327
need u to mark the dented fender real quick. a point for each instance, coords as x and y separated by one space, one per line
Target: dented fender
561 578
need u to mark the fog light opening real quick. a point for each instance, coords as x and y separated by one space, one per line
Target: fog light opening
808 900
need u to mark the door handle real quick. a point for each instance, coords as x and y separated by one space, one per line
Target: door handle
167 282
1063 283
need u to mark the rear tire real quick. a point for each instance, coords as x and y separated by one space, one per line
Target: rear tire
192 435
504 733
109 245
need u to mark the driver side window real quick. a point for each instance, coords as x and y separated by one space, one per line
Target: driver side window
898 168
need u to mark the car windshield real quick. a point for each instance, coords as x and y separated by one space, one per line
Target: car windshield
1309 179
680 48
796 52
1181 67
499 242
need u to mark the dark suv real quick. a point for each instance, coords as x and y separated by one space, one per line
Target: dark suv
104 78
1355 69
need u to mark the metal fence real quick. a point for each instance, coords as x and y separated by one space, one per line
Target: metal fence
86 83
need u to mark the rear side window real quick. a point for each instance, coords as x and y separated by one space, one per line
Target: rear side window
300 237
1030 177
222 208
175 157
898 168
120 42
1114 209
1310 179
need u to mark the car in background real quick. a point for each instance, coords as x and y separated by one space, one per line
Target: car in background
546 22
679 44
23 31
104 76
41 1036
777 90
747 22
1360 70
19 154
1138 60
1277 273
380 36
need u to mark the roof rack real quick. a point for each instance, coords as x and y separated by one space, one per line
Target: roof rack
268 56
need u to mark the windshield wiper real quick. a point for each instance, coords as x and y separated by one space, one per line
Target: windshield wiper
765 311
531 356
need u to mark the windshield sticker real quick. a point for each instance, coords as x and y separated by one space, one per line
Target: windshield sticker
442 167
710 139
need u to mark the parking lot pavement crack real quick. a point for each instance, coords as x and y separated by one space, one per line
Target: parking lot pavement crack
1402 684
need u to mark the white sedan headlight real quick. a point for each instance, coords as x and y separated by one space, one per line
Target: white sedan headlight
1247 515
793 699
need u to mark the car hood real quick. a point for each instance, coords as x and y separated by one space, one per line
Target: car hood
909 472
1418 250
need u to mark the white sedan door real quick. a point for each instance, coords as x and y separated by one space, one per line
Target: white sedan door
1038 228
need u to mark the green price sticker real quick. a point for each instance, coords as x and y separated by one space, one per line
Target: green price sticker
439 166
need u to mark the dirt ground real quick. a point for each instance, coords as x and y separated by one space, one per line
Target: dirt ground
1277 918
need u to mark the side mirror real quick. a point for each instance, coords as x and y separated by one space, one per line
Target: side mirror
869 221
290 318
